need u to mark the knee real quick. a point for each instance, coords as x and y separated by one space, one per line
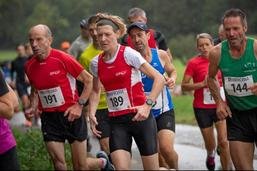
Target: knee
224 144
167 151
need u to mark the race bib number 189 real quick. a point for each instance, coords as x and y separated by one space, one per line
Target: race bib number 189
52 97
117 100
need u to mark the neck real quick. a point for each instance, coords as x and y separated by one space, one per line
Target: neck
147 54
238 50
110 54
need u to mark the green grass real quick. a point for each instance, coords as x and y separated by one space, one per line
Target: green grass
7 55
180 70
32 152
184 109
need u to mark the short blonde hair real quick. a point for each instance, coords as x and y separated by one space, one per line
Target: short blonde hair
115 21
204 35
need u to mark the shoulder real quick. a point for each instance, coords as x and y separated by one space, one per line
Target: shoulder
215 54
163 55
128 51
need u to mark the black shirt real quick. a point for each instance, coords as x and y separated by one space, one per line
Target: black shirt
3 86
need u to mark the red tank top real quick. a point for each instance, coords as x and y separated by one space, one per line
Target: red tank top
151 42
116 78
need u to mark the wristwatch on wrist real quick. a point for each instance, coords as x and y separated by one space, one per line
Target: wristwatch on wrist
150 102
82 102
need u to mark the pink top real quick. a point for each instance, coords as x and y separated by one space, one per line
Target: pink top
7 140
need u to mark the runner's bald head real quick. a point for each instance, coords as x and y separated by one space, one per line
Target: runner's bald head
42 27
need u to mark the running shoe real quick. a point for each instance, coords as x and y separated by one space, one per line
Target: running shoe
210 162
108 166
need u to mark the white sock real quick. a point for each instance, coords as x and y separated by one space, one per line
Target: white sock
104 162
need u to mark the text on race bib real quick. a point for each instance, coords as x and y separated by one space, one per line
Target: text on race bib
52 97
118 100
207 97
238 86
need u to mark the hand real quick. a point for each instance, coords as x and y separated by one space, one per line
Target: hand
142 112
30 112
223 110
93 122
169 82
253 88
73 112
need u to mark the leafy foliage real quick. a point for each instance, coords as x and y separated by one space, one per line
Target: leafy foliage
173 18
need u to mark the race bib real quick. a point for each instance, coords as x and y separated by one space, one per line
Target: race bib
207 97
52 97
238 86
117 100
158 102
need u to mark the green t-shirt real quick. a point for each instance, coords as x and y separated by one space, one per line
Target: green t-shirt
238 75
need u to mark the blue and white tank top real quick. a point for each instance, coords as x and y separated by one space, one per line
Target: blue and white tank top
163 102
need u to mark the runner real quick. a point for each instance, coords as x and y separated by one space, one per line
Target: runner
204 106
8 102
58 100
21 82
89 53
82 41
163 110
156 40
118 69
236 58
221 35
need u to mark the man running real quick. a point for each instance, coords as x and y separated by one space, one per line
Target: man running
236 57
163 110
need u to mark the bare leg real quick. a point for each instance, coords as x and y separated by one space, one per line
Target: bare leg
166 146
223 144
121 159
150 162
209 139
79 153
56 152
242 154
104 144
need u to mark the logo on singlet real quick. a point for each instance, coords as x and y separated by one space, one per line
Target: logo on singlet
54 72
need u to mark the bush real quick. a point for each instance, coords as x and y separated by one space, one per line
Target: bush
183 47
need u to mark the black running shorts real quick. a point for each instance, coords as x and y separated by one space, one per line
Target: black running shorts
56 127
103 122
205 117
166 121
143 132
242 126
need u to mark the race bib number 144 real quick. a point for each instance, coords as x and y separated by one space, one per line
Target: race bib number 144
238 86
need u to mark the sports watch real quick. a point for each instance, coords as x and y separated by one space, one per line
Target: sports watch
82 102
150 102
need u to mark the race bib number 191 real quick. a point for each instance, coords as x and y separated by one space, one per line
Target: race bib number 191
52 97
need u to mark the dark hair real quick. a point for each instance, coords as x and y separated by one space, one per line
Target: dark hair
83 23
92 19
235 12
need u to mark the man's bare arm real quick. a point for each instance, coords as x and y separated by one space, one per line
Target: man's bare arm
214 58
